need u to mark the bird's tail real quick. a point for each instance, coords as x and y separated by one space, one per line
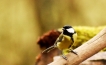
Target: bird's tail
49 49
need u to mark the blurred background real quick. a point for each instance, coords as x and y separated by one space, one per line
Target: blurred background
23 21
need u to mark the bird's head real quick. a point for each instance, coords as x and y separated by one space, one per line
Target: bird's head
67 30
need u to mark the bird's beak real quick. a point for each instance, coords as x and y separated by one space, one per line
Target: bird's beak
62 28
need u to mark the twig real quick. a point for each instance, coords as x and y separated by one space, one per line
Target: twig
85 51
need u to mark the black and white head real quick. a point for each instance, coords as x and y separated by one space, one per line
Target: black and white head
68 30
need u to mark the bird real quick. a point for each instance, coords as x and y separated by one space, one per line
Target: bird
65 40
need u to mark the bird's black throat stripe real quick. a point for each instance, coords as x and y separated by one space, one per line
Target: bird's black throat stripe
68 34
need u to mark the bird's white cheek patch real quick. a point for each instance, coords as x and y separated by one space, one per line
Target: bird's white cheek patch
71 30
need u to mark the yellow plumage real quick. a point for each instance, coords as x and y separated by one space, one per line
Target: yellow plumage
66 42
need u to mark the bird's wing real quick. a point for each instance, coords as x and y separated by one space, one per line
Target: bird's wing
59 39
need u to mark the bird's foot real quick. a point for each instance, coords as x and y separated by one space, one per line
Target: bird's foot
73 52
64 57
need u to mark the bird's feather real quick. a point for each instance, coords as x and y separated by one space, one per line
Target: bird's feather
49 49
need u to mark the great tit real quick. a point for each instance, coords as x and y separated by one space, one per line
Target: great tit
65 40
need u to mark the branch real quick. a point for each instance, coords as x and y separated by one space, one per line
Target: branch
85 51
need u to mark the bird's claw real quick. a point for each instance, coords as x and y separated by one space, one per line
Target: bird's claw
73 52
64 57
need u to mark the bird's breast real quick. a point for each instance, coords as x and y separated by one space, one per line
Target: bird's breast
65 43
